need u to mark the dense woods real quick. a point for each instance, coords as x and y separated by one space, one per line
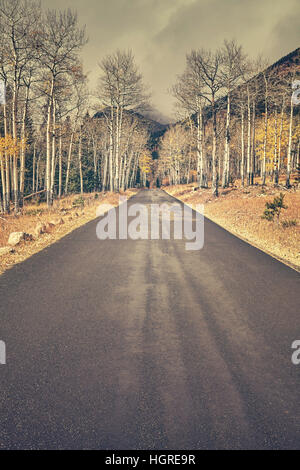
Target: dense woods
50 144
237 117
238 120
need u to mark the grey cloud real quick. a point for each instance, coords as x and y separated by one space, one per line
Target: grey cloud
160 32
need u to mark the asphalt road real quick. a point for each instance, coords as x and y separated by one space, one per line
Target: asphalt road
143 345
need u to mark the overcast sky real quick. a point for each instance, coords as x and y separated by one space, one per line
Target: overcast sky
160 32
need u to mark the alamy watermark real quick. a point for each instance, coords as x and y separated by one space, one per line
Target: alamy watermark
296 353
152 222
2 353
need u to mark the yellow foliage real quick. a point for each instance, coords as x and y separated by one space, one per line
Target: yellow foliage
145 162
273 135
10 146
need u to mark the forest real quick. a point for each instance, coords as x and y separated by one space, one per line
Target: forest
237 117
49 143
239 120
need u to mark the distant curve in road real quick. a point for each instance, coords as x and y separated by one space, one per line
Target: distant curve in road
123 344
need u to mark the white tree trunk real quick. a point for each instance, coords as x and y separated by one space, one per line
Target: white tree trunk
289 152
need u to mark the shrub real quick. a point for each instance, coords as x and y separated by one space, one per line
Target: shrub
289 223
79 202
274 208
34 212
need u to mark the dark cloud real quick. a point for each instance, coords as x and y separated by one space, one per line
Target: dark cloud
160 32
284 37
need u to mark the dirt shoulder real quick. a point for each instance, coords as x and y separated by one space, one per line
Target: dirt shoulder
66 216
239 211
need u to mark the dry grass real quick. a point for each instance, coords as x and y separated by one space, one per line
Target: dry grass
33 214
239 210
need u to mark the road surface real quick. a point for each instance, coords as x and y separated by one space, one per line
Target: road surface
143 345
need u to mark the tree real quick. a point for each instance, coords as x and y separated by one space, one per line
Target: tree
77 106
120 89
61 41
18 22
233 65
274 208
210 64
189 91
145 164
173 148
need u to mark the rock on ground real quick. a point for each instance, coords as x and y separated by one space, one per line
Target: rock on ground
16 237
57 222
49 226
39 229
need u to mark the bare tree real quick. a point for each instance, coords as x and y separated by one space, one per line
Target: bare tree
78 107
210 64
18 22
120 89
61 41
233 65
189 91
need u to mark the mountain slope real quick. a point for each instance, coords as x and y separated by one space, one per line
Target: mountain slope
154 128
